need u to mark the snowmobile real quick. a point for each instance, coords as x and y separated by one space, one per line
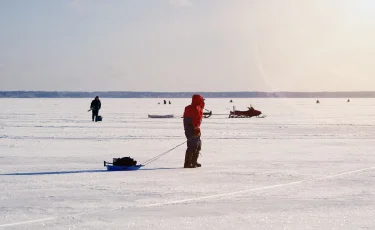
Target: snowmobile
246 114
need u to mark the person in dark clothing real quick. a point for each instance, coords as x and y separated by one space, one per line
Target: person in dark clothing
193 115
95 107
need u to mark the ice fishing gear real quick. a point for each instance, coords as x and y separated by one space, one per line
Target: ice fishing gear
161 116
125 161
122 164
129 164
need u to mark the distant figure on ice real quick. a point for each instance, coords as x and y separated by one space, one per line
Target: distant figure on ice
231 101
348 100
165 102
193 115
170 102
317 102
95 107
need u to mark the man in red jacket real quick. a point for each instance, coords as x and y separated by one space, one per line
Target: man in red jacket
193 115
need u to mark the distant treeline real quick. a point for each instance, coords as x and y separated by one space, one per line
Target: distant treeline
117 94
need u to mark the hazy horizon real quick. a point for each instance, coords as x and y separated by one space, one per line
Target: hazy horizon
139 94
187 45
204 91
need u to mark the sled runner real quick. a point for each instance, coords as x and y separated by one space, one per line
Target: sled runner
123 168
122 164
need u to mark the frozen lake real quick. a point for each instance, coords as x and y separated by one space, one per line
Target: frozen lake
304 166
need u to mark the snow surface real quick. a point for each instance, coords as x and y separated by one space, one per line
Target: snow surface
305 166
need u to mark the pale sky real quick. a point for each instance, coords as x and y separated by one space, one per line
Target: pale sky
187 45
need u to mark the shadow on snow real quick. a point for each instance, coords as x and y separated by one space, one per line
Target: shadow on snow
76 171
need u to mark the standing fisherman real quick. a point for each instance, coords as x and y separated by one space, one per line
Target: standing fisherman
95 107
193 115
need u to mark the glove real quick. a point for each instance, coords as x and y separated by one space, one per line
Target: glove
197 132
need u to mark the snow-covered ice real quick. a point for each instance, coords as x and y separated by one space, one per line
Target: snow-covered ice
305 166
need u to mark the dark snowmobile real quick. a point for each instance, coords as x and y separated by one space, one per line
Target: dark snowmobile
246 114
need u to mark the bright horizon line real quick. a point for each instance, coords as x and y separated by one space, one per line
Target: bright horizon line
134 91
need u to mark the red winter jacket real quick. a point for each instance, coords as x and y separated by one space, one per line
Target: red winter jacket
193 115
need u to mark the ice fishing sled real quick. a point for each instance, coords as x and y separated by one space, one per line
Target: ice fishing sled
122 164
161 116
246 114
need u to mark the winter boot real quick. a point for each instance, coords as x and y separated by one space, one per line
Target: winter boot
194 161
188 158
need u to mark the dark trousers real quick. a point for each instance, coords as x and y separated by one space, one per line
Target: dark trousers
95 115
194 145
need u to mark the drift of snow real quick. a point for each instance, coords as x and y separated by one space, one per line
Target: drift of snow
305 166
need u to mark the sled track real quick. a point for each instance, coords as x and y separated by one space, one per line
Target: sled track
190 200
